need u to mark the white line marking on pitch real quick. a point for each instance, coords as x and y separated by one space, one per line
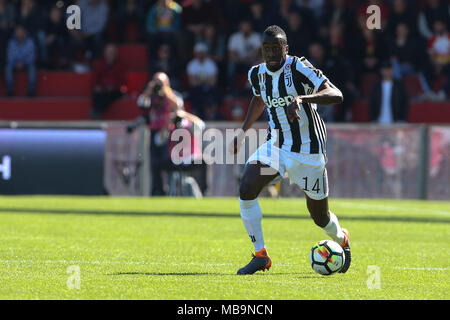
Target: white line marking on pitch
422 268
392 208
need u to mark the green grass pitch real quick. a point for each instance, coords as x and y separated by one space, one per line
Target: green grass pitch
173 248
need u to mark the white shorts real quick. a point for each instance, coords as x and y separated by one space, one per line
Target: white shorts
306 170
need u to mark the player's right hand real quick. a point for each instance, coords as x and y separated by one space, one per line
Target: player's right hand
293 108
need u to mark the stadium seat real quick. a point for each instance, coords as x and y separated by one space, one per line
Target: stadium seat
439 83
412 86
135 82
132 34
134 56
368 81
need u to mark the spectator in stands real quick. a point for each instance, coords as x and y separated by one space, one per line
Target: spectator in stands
258 17
217 46
284 8
388 101
439 44
338 12
30 16
435 9
56 39
401 13
196 15
317 56
162 24
439 52
405 52
165 62
233 8
21 56
316 6
341 72
216 43
243 51
337 44
298 34
308 25
368 51
93 24
108 81
129 13
7 17
202 72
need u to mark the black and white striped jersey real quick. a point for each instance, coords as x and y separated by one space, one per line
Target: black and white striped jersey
278 89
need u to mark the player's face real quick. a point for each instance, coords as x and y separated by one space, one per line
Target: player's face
274 52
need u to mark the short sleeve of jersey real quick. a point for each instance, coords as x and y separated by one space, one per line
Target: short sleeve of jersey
253 79
315 76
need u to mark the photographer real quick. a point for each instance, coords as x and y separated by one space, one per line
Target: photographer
162 112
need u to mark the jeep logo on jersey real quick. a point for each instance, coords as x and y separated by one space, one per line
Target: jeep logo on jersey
279 102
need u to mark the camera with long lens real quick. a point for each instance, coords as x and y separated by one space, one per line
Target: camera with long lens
157 89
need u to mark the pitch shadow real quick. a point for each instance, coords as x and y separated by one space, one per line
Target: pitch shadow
167 274
162 274
219 215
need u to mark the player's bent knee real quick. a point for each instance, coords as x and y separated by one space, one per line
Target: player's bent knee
246 191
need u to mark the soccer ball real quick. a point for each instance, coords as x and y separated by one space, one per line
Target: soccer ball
326 257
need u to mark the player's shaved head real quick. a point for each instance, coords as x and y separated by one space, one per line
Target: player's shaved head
275 31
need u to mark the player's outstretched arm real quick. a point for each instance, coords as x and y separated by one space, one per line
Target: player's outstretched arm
328 94
254 112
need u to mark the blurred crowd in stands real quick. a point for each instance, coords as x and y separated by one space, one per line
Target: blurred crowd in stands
206 47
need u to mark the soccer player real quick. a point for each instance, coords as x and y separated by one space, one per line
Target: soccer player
290 88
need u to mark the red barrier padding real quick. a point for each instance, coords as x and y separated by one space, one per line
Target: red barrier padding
76 108
42 109
429 112
53 84
123 109
419 112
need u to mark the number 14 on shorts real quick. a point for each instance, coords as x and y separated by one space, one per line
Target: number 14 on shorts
316 186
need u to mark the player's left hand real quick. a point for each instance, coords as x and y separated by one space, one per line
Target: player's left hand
293 108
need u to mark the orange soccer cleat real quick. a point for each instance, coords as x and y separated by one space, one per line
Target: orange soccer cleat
346 246
260 262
